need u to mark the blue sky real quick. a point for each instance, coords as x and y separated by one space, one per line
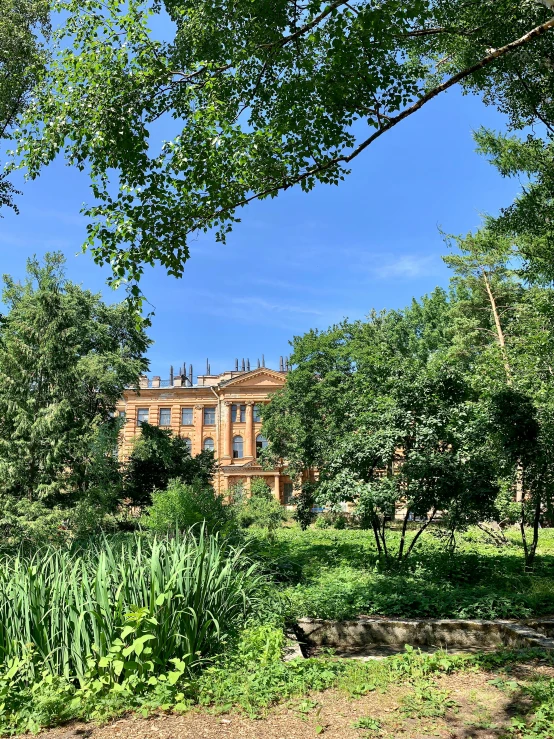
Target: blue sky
300 261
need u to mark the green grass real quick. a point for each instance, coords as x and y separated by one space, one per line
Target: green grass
337 574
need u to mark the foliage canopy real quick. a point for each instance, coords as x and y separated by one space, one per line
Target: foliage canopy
259 97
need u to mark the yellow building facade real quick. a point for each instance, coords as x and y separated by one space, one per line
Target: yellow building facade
219 412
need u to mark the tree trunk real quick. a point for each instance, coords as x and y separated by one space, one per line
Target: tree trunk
403 535
499 332
531 549
375 527
419 533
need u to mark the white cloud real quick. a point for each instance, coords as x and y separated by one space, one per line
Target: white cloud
408 266
275 307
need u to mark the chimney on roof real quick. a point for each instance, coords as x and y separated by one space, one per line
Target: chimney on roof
190 375
236 365
248 365
263 360
258 363
243 367
171 375
281 367
207 366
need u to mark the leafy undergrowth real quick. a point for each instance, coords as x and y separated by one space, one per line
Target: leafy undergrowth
253 677
337 574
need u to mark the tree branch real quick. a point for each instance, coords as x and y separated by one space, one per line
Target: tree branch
459 77
307 27
547 3
487 60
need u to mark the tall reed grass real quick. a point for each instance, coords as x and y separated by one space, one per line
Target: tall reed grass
60 603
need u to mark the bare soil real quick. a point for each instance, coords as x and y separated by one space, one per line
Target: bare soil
480 709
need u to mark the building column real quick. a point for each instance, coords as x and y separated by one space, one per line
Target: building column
198 429
227 430
250 448
176 419
277 489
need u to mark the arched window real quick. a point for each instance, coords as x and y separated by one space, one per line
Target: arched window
261 443
209 445
238 447
188 444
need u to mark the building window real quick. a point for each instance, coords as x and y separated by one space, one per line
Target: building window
261 443
257 414
121 414
238 413
208 445
288 495
165 416
188 444
142 416
209 416
186 416
238 447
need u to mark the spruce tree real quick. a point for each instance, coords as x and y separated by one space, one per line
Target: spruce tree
65 359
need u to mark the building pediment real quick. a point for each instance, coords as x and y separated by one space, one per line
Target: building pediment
263 377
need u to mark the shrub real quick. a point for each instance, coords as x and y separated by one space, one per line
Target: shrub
182 506
261 509
332 519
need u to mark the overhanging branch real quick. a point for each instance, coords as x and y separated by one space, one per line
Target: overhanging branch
486 61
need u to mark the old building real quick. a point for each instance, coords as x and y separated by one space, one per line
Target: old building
219 412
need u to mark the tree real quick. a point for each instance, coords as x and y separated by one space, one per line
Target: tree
23 23
505 330
264 96
387 421
159 456
65 359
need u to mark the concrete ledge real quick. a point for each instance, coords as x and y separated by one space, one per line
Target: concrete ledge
453 634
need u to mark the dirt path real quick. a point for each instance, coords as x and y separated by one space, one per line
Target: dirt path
472 707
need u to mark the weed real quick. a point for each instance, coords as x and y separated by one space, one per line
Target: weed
367 722
427 701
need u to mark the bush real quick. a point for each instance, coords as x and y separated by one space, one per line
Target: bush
261 509
183 505
332 519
